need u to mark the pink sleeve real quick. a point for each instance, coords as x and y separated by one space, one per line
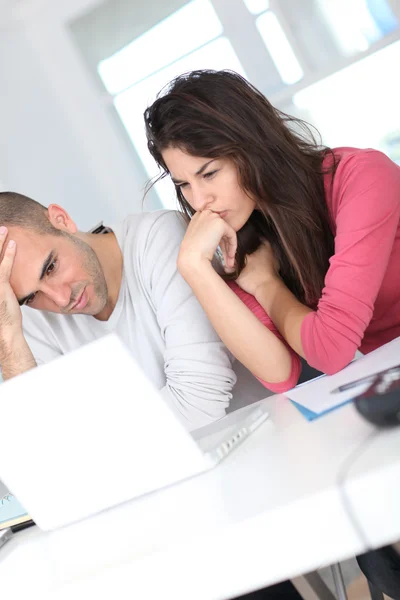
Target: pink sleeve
259 312
366 208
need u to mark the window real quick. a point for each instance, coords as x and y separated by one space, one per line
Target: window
357 24
256 6
332 62
276 41
191 38
348 110
279 47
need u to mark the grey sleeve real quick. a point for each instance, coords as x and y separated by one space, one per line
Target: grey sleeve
198 367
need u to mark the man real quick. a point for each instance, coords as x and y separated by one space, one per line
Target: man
61 288
84 286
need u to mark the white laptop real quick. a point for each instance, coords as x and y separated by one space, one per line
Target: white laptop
89 431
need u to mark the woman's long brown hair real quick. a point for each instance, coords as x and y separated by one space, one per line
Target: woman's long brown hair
218 114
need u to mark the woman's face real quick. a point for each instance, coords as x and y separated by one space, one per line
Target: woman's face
210 183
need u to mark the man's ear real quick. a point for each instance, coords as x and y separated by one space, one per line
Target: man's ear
60 219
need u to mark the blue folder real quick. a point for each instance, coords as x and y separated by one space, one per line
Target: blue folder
311 415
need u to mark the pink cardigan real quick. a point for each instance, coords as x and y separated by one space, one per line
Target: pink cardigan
360 303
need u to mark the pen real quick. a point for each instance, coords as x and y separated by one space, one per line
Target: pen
368 378
353 384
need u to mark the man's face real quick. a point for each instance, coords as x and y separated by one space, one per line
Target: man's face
57 273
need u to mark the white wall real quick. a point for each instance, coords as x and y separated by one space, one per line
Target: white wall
58 142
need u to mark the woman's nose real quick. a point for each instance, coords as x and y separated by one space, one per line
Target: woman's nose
200 199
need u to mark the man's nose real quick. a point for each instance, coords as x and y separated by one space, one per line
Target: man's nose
60 294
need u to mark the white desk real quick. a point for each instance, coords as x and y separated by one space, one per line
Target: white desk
270 511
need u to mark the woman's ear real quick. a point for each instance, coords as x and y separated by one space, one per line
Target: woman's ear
60 219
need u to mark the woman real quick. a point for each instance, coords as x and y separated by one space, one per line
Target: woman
311 233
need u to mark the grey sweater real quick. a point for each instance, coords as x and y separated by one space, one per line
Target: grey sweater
157 317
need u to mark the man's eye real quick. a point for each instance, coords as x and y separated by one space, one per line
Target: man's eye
51 267
30 299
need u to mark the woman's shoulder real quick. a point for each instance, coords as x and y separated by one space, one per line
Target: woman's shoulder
348 158
359 174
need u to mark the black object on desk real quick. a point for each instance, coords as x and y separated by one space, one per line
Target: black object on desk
9 532
380 403
21 526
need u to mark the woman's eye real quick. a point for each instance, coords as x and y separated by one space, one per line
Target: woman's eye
209 174
181 186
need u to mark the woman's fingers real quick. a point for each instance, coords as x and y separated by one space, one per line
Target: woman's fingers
228 245
206 231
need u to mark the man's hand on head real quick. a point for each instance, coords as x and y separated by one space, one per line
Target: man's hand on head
15 355
10 311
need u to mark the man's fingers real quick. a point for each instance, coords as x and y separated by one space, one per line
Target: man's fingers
8 254
3 236
8 260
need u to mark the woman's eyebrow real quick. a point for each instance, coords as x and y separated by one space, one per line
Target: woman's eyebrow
199 172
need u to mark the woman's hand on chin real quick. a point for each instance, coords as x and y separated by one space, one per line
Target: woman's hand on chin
206 231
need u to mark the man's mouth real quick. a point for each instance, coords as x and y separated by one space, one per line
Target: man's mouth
81 301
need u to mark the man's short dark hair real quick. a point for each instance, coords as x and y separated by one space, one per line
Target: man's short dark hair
21 211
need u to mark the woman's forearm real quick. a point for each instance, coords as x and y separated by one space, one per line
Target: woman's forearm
285 311
244 335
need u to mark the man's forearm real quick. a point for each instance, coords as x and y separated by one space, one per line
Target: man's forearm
15 357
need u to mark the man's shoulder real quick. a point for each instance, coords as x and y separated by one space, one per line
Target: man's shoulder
146 221
159 228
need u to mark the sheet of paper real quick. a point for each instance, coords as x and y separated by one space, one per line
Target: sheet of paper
316 395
